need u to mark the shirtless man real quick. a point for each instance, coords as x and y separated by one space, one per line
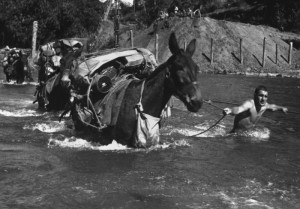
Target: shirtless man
248 114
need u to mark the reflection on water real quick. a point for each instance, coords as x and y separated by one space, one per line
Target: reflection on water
45 164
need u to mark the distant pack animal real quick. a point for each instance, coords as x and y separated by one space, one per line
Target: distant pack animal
50 93
130 111
14 66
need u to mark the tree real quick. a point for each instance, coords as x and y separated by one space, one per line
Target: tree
56 19
106 13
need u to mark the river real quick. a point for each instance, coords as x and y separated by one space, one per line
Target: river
45 164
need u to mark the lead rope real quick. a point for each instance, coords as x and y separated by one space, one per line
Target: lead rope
211 126
216 123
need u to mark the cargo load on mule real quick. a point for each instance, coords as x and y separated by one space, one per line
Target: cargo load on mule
94 79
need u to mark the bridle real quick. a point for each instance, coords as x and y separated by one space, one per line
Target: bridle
172 85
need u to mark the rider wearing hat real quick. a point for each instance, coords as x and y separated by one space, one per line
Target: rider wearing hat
58 54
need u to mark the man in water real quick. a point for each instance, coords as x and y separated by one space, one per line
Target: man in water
248 114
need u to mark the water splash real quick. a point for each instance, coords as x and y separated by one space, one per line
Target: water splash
18 84
82 144
238 202
20 113
218 130
51 127
78 143
257 134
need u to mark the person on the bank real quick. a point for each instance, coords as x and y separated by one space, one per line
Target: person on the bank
248 114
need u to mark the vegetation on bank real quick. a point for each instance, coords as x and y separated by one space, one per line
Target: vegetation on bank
82 18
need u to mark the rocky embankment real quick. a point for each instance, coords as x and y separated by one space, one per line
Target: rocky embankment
226 37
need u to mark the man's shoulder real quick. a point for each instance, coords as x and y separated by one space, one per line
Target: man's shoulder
249 102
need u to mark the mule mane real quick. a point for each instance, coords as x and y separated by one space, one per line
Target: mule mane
160 68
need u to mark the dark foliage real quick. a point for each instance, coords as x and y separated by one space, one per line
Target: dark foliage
56 19
81 18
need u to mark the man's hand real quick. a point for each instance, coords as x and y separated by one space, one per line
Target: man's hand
226 111
284 109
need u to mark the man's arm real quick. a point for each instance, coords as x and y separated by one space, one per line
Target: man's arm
238 109
274 107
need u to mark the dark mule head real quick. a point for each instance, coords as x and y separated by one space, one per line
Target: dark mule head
183 74
68 64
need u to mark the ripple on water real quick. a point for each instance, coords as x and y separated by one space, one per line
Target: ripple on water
255 195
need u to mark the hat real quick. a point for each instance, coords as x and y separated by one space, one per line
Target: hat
57 44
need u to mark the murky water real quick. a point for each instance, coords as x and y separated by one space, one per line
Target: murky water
45 164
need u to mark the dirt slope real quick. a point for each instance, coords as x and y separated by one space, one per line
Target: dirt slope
226 36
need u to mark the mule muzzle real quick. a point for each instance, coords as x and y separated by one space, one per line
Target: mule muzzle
65 81
193 103
192 98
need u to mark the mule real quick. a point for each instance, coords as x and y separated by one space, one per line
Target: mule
51 93
136 123
14 67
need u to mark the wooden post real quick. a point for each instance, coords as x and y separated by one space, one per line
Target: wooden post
264 50
241 51
156 47
290 52
131 38
211 51
34 35
276 55
117 24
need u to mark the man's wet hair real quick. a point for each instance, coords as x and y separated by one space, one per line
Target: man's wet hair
261 87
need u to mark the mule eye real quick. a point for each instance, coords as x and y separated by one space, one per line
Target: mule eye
182 76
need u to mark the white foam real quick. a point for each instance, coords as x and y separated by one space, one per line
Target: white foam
12 82
17 102
237 202
252 202
228 200
78 143
166 145
51 127
20 113
258 134
197 131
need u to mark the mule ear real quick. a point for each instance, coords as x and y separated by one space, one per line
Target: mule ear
173 45
190 49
